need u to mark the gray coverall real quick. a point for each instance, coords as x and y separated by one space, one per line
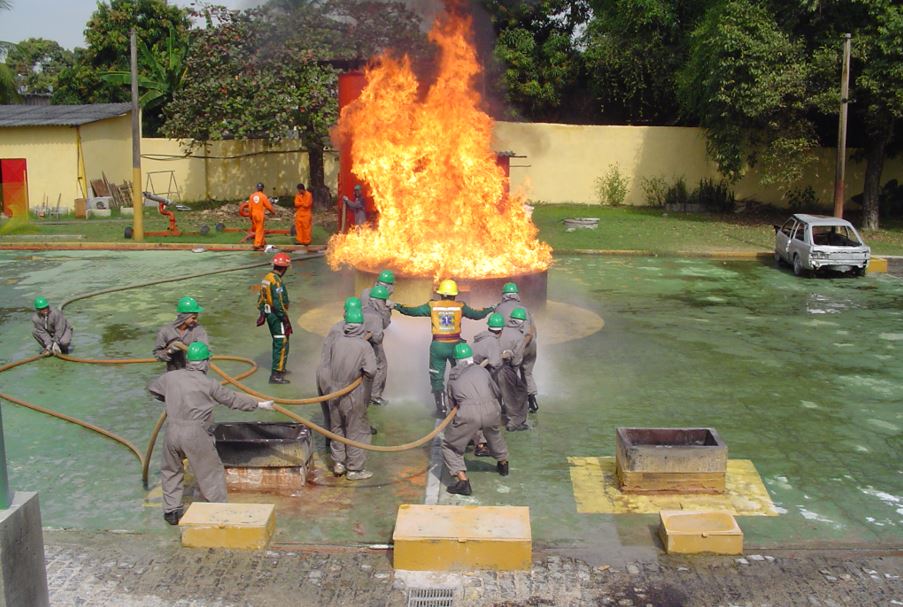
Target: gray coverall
512 386
189 396
170 333
365 294
471 389
377 318
486 347
323 386
358 207
349 357
509 302
52 328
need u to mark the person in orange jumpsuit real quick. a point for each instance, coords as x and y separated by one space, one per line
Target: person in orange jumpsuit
304 202
259 204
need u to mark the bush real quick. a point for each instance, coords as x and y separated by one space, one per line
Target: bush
677 195
802 198
655 190
715 197
612 187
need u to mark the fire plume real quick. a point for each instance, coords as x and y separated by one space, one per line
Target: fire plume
427 162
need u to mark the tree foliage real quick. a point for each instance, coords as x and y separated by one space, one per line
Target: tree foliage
747 82
539 51
107 35
36 64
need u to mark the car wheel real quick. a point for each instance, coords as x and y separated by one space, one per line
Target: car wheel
798 266
857 272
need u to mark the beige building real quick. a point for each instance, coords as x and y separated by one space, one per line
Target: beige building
63 146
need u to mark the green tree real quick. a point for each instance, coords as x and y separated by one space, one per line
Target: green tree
36 64
8 92
242 83
538 49
748 83
634 49
160 76
107 35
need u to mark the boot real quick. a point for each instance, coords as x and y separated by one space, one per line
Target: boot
532 404
502 467
277 377
482 450
441 408
173 517
460 488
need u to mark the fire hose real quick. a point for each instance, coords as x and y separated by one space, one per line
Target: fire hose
144 458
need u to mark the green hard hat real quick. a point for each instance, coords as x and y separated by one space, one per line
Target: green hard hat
496 321
379 292
387 276
188 305
462 350
519 314
198 350
509 287
40 303
352 303
354 316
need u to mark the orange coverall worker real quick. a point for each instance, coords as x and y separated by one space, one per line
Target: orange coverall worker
259 204
304 201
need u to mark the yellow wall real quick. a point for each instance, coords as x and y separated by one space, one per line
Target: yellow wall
51 156
232 168
107 149
563 162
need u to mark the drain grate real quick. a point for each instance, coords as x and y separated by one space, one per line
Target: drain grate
431 597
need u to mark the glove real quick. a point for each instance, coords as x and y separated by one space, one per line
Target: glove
288 326
56 348
261 319
390 304
507 354
176 345
265 404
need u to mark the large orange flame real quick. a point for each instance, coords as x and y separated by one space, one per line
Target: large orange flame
432 173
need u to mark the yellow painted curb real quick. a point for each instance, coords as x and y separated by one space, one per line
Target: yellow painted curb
877 265
234 526
462 538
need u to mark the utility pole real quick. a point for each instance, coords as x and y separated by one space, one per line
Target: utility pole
5 495
137 196
841 162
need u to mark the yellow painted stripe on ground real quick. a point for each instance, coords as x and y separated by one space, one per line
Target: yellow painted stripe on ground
595 487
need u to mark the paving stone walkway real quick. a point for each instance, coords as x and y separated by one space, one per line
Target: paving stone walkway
124 570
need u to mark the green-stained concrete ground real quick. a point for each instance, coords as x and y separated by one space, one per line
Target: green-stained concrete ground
799 375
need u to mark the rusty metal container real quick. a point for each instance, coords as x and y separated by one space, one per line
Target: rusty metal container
670 460
264 456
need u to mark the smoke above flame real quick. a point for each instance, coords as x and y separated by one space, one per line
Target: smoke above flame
427 162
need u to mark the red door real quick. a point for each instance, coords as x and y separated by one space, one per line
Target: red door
14 186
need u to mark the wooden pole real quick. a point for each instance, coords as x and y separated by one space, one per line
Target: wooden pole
137 196
841 161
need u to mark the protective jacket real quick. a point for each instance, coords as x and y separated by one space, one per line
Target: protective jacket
349 357
445 316
170 333
52 328
273 298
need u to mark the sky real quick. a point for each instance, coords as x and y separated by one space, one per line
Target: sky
61 20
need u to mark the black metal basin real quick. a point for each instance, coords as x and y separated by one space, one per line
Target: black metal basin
262 444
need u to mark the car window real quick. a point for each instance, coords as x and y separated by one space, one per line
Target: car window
834 236
787 228
800 232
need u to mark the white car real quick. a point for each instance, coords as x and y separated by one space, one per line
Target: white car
810 243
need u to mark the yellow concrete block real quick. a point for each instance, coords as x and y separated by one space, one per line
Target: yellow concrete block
239 526
462 538
696 531
877 265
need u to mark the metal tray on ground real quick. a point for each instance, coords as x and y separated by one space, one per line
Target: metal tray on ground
263 444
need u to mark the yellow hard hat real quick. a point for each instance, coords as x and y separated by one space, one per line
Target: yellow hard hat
447 287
